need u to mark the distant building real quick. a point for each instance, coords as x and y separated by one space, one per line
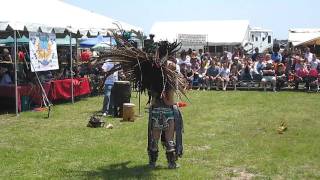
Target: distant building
259 38
214 36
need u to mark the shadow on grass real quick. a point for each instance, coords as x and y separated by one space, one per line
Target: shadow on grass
120 171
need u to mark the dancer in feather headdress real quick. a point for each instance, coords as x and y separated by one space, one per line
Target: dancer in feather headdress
153 69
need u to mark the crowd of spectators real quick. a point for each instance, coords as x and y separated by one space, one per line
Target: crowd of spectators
274 68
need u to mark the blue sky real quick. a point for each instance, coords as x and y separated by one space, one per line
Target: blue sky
278 15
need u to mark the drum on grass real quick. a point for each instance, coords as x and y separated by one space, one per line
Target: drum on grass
128 112
121 93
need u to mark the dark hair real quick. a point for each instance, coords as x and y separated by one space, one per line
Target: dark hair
183 53
276 48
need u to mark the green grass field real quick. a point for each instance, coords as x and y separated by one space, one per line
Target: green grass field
228 135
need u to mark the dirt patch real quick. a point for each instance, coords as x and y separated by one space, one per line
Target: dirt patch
239 174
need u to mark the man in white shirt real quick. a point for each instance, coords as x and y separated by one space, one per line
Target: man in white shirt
108 85
224 76
258 67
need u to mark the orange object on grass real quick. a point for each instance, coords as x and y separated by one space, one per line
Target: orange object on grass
181 104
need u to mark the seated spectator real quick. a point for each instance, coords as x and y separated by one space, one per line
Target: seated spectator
285 57
301 75
200 54
195 63
6 55
255 55
298 63
183 58
5 77
46 76
212 74
276 55
224 60
226 57
315 63
289 64
238 63
267 58
224 76
258 67
268 76
201 75
195 66
312 77
189 75
216 59
238 53
183 68
308 55
206 61
85 56
291 79
208 56
280 76
246 72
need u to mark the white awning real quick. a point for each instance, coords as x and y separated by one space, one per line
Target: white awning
300 36
56 15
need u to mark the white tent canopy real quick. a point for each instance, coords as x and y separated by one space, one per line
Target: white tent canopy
217 32
54 15
300 36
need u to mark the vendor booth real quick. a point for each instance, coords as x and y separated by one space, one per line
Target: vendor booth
35 69
23 35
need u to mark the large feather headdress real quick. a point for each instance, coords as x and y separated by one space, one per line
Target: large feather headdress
148 69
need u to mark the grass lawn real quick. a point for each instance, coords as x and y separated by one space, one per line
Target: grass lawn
227 135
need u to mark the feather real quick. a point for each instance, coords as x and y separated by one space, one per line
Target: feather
149 71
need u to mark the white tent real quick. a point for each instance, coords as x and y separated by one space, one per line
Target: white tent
54 14
228 32
300 36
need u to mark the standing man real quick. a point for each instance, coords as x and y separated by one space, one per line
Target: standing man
153 70
165 122
108 85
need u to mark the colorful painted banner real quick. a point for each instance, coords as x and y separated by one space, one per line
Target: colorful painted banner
43 51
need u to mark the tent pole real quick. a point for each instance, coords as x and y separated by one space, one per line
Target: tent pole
71 69
15 72
76 47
